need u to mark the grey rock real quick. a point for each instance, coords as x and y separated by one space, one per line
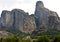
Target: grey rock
42 20
39 4
0 22
18 19
45 19
6 18
4 34
42 15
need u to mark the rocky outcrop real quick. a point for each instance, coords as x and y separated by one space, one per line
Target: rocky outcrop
6 18
42 15
0 22
18 19
53 20
45 19
42 20
29 24
5 34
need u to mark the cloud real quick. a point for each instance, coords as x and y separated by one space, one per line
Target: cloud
7 2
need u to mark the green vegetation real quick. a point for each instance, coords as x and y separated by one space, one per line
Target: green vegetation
49 33
15 32
48 36
14 38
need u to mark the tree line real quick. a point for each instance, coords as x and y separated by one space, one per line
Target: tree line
38 39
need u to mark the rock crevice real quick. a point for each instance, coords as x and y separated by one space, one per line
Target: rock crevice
42 20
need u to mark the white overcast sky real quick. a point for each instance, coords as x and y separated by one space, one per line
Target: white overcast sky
29 5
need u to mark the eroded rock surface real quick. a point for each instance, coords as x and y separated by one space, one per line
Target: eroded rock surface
42 20
46 19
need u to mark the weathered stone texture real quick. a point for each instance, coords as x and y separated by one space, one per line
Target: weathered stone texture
42 15
43 19
29 24
6 18
18 19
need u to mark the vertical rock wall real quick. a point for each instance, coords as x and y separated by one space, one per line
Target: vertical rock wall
43 19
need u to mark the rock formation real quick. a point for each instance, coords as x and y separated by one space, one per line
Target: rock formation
18 19
6 18
5 34
42 20
45 19
42 15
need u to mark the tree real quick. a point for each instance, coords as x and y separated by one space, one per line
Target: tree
57 38
12 39
43 39
1 39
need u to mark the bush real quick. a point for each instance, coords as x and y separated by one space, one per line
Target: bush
10 39
43 39
57 38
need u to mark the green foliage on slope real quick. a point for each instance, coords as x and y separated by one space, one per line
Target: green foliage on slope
14 38
15 32
49 33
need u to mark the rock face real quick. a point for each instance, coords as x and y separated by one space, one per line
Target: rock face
18 19
45 19
42 15
53 20
0 23
5 34
23 21
42 20
6 18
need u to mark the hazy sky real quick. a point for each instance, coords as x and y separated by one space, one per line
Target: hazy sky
29 5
